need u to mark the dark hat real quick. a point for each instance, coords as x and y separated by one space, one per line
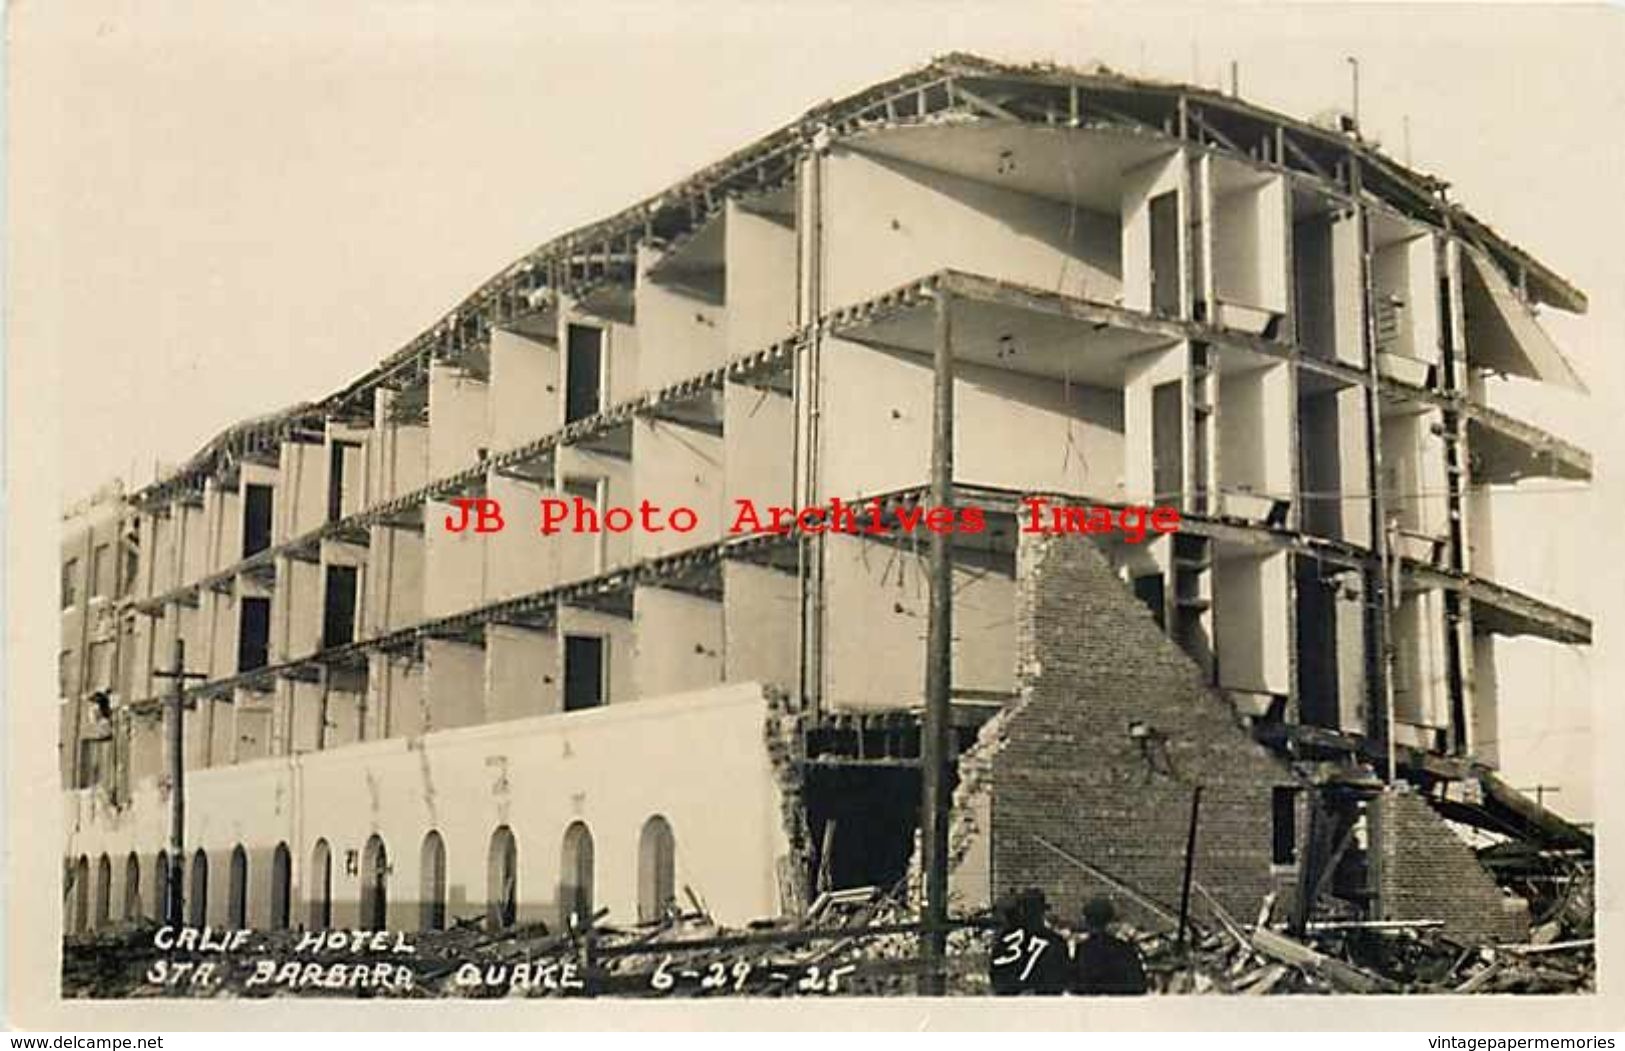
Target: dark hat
1031 906
1097 912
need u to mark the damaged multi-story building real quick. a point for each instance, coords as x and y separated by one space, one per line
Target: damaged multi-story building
1149 294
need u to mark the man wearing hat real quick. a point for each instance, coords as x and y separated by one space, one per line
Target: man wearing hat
1029 957
1102 963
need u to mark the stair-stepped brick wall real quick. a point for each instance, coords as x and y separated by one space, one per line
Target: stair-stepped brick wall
1068 770
1062 765
1427 872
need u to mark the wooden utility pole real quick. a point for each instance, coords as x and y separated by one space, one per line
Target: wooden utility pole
1190 866
934 737
177 675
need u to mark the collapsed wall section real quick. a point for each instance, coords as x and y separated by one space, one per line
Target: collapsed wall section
1100 757
1427 872
1095 765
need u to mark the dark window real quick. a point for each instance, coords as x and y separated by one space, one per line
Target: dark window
584 373
502 879
575 879
257 502
104 892
1150 590
374 885
281 887
338 452
70 582
160 889
320 893
1447 338
583 672
433 875
81 895
237 889
200 889
132 887
338 614
1165 253
1167 442
657 869
1284 808
1316 631
253 633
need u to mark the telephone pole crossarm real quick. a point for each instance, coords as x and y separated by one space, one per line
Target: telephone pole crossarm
178 675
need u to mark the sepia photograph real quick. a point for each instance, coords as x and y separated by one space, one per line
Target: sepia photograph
896 506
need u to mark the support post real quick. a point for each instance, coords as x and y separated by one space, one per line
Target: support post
1384 581
321 722
174 906
1190 866
938 670
177 782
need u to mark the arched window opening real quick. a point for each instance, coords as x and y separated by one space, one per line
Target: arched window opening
575 876
281 887
200 889
160 888
104 892
657 869
432 892
132 886
320 895
374 885
79 899
237 889
502 879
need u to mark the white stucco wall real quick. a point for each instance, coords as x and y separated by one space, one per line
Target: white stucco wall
535 775
1010 429
676 466
459 423
689 325
524 396
877 600
760 279
886 222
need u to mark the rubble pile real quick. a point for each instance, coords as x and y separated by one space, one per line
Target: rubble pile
1379 957
108 964
856 942
850 943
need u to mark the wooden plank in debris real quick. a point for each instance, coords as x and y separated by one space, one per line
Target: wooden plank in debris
1221 914
1347 978
1266 981
1266 909
1529 950
1479 980
1321 926
782 937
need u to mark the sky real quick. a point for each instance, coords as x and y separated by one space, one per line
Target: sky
221 209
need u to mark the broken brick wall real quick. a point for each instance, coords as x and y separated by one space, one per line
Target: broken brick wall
1427 872
1066 768
780 732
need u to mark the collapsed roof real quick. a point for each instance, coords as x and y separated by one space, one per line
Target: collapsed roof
956 85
